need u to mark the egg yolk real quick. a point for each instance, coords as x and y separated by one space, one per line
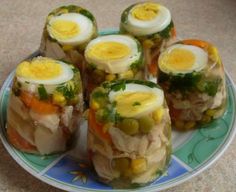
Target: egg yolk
63 29
109 51
146 11
131 104
40 69
179 59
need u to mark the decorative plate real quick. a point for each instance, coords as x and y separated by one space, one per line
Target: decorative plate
193 151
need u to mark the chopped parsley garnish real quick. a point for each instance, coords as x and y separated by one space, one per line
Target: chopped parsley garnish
118 86
182 82
121 84
87 14
43 95
209 86
98 94
166 32
72 8
67 90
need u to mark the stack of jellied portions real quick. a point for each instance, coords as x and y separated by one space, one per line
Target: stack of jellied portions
150 23
45 106
192 76
67 31
129 136
112 57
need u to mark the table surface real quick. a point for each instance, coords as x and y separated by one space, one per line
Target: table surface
21 24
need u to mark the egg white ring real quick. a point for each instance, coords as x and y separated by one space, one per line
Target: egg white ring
67 74
85 27
114 65
200 55
132 88
139 27
33 88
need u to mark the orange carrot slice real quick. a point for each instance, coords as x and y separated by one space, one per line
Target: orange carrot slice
198 43
173 32
97 127
174 113
41 107
152 68
20 143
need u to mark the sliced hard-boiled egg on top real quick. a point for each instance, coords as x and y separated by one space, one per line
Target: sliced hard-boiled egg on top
113 53
70 28
183 59
43 70
147 18
137 100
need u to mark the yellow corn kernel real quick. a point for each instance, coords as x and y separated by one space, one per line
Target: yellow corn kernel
138 165
95 105
211 112
179 124
67 47
127 75
158 114
59 98
213 53
206 119
148 43
110 77
189 125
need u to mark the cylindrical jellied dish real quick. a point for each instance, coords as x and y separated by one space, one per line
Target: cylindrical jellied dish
129 132
67 31
192 75
112 57
151 23
45 106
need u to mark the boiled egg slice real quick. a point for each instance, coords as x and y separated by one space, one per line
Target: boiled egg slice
113 53
70 28
43 70
147 18
136 100
183 59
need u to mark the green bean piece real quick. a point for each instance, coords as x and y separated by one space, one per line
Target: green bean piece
129 126
146 123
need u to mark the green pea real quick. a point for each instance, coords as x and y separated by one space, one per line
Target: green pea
102 115
129 126
99 115
146 123
121 164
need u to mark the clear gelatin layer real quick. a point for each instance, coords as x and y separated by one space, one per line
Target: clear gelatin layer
192 75
129 132
67 31
152 25
112 57
45 106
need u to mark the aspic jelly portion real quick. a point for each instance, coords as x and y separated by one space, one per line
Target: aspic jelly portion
44 108
192 75
129 148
